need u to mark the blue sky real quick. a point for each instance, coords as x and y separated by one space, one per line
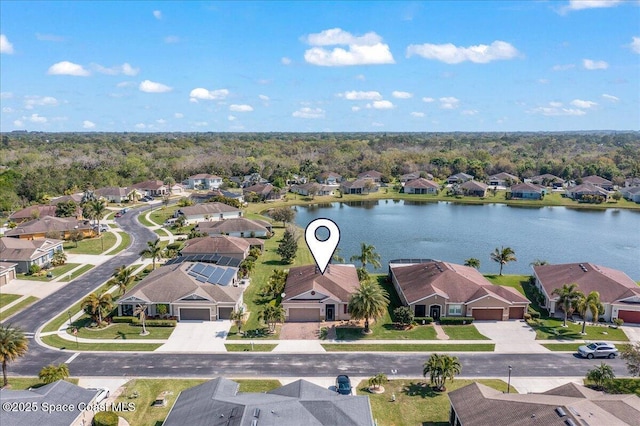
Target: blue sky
320 66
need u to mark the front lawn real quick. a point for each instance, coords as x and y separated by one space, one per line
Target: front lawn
552 329
518 282
17 307
416 403
6 298
463 332
409 347
239 347
91 245
75 274
562 347
58 342
24 383
120 331
56 272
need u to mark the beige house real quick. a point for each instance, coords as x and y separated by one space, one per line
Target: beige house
50 226
25 253
312 296
221 244
421 186
209 212
240 227
437 289
7 272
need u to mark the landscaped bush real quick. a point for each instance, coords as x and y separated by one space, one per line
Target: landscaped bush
534 314
456 320
419 320
156 323
125 320
105 418
527 316
618 321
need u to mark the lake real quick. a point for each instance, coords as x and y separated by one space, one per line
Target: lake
454 232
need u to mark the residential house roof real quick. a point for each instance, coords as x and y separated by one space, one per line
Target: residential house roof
49 224
370 174
548 176
472 185
504 176
5 267
259 188
228 226
456 283
588 188
208 209
215 244
31 212
172 283
460 176
204 176
149 184
479 405
76 198
421 183
326 175
16 249
298 403
358 183
527 187
112 191
633 181
339 281
414 175
612 284
596 180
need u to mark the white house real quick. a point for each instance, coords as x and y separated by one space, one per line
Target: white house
208 212
204 181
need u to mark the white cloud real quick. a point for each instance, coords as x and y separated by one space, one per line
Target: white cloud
469 112
554 110
355 95
157 14
428 100
172 39
125 69
377 124
401 95
161 121
635 44
32 101
285 61
594 65
6 95
86 124
610 97
5 45
364 50
555 104
18 123
417 114
149 86
564 67
36 118
449 102
68 68
240 108
355 108
307 112
141 126
583 104
543 81
381 105
208 95
7 110
50 37
588 4
231 118
264 98
178 115
452 54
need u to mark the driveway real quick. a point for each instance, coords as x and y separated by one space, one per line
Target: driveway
632 332
300 331
197 336
512 337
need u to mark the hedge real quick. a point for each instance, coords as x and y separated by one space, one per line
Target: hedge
125 320
156 323
419 320
456 320
105 418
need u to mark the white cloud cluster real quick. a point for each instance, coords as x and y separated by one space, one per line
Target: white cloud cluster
635 44
381 105
125 69
401 95
590 64
470 112
556 109
5 45
32 101
285 61
157 14
610 98
364 50
86 124
355 95
207 95
452 54
178 115
449 102
579 103
149 86
240 108
307 112
68 68
428 100
36 118
417 114
263 98
589 4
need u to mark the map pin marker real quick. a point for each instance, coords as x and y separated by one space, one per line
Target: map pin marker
322 250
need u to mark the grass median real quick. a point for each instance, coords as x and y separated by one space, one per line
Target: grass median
240 347
408 347
126 241
75 274
17 307
6 298
58 342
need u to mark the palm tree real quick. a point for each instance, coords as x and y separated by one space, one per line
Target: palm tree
96 306
336 257
601 374
13 345
271 315
153 250
377 380
370 301
503 256
567 297
368 255
539 262
96 210
441 367
592 303
52 373
122 277
140 311
238 317
472 262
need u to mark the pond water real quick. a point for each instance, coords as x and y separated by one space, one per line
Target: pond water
454 232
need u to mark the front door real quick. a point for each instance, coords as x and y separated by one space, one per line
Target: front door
330 312
434 312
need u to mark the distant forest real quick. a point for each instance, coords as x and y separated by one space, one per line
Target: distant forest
34 165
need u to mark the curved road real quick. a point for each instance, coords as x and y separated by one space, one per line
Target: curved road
240 364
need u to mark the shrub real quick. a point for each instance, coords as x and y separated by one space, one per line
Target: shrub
618 321
426 320
105 418
156 323
34 269
124 320
527 316
535 314
456 320
403 315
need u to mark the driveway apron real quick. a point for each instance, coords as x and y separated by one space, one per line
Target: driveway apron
197 336
513 337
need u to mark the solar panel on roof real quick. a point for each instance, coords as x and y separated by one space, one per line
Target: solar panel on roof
208 270
215 277
228 275
201 279
198 267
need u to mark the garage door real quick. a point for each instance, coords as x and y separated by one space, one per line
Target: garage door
629 316
516 312
224 313
195 314
302 314
487 314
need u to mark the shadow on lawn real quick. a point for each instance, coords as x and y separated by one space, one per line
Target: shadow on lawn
421 389
560 332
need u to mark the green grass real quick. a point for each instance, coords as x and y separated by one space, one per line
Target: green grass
17 307
562 347
57 272
126 241
257 385
142 218
416 403
159 216
122 331
75 274
463 332
517 282
551 329
23 383
58 342
6 298
408 347
56 323
618 386
91 245
239 347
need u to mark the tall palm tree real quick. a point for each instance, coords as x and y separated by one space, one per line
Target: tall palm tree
238 317
96 210
52 373
271 315
568 295
441 367
13 345
378 380
96 306
503 255
472 262
141 311
122 277
370 301
368 256
153 250
592 303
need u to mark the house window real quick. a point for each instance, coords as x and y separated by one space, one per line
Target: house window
346 309
455 309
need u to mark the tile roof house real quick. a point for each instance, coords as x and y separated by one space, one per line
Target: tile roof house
208 212
294 404
49 225
32 212
474 189
598 181
313 188
459 178
312 296
192 291
415 175
421 186
7 272
619 294
57 394
221 244
154 188
579 191
203 197
548 179
631 193
240 227
266 191
373 175
503 179
359 186
329 178
434 288
25 253
114 194
570 404
526 191
204 181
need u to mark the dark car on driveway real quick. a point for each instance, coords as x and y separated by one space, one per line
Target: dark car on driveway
343 385
598 350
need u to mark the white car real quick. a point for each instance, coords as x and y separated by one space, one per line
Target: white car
101 394
598 350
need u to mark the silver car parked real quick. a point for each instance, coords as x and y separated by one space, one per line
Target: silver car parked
598 350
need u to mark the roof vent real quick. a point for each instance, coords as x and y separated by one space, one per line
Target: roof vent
570 422
254 422
256 412
560 411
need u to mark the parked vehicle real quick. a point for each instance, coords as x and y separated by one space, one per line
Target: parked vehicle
123 211
103 228
101 394
598 350
119 214
343 385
